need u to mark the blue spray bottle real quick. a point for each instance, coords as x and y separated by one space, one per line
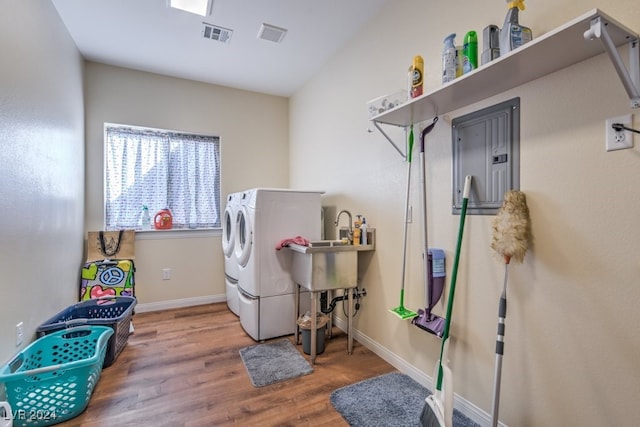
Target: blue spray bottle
513 35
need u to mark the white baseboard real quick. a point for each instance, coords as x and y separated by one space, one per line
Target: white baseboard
179 303
464 406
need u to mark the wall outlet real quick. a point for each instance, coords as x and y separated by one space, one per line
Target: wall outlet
166 274
19 334
618 140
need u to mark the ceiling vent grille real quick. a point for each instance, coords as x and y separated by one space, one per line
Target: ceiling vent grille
213 32
271 33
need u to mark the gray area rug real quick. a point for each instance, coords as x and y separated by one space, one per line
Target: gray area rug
273 362
389 400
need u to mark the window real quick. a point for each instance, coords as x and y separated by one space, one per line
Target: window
161 169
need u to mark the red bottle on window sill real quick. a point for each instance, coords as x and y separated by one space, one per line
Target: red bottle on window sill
163 220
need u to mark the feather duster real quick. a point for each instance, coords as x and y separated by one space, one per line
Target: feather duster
511 227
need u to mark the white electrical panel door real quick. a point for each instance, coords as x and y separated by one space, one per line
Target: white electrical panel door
486 145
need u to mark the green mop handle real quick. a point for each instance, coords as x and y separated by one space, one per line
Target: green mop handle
410 143
454 276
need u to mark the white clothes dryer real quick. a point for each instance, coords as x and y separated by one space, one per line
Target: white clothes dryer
265 287
231 270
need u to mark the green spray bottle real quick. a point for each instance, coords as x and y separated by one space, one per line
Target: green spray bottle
470 52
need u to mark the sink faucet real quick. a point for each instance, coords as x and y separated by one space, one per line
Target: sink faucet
350 233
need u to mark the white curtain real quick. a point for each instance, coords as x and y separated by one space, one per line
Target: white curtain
161 169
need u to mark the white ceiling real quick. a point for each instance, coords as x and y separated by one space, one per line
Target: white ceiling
147 35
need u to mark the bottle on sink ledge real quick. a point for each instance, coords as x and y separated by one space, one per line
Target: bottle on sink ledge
363 232
356 230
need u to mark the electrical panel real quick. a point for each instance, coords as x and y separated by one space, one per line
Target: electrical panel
486 145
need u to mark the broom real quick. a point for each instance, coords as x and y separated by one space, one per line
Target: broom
438 407
511 234
401 311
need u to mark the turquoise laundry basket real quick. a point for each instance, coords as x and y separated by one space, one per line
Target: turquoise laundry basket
52 379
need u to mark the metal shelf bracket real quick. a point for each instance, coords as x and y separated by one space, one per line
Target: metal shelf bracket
388 138
630 78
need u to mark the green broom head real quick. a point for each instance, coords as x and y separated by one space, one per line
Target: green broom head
401 311
512 228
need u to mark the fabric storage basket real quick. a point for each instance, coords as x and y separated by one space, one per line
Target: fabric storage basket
52 379
115 312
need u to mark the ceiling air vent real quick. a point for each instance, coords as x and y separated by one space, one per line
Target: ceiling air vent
216 33
271 33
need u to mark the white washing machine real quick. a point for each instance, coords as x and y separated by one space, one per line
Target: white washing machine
265 288
231 270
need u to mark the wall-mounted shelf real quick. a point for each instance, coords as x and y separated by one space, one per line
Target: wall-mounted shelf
545 54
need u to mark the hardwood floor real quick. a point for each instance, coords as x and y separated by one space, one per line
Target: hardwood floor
182 368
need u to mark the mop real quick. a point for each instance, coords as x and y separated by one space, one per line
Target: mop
400 311
425 319
438 407
511 233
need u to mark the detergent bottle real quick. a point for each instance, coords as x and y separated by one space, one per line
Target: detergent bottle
449 59
163 220
513 35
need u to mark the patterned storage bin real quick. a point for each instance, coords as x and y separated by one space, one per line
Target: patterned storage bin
107 278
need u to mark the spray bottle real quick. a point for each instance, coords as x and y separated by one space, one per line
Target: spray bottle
470 52
145 221
513 35
449 59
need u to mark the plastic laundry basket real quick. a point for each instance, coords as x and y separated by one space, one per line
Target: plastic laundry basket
52 379
115 312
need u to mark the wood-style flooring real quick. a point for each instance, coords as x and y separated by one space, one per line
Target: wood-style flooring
182 367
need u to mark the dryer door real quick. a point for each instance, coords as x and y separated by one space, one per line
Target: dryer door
228 231
244 234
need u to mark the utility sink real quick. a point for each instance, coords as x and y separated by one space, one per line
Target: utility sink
325 265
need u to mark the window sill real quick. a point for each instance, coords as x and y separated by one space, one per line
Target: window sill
177 234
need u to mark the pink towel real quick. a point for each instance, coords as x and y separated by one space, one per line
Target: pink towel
298 240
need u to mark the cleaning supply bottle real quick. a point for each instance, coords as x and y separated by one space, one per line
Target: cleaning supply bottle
458 61
513 35
470 52
145 221
417 76
449 59
357 232
363 232
490 43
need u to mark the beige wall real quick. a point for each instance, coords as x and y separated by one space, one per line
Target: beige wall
254 140
41 168
572 340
